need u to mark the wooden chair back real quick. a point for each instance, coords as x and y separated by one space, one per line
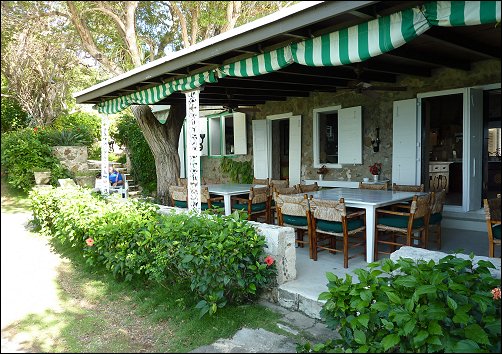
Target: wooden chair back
306 188
279 183
407 188
376 186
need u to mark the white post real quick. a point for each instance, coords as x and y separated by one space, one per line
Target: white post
193 151
105 186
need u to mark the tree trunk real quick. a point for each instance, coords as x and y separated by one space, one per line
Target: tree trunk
163 141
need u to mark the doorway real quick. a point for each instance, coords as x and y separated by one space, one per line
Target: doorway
442 118
491 143
280 154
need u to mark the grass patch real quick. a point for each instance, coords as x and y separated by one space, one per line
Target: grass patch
102 314
13 200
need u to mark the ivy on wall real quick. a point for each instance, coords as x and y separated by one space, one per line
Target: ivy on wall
238 171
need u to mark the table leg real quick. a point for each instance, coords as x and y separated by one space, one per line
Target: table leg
370 233
228 204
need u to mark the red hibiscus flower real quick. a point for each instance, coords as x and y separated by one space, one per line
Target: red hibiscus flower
35 129
89 242
496 293
269 260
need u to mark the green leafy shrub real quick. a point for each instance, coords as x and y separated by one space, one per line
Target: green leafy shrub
13 117
127 133
238 171
22 151
79 136
84 121
414 307
222 257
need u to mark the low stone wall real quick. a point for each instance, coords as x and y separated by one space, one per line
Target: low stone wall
74 158
280 245
426 255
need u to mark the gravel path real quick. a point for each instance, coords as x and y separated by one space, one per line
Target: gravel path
28 277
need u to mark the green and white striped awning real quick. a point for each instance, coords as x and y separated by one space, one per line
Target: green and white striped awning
346 46
462 13
156 93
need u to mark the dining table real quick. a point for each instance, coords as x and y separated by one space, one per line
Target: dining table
227 190
368 200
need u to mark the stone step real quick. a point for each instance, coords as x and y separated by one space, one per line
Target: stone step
289 298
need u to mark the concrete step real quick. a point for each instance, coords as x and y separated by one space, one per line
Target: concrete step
472 220
289 297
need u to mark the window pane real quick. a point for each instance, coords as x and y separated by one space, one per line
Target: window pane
328 138
229 135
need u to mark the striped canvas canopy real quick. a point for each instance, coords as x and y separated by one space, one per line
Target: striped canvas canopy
156 93
346 46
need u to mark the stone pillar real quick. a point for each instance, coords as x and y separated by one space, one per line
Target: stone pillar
193 151
105 186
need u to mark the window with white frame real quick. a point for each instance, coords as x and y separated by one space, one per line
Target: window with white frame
227 134
337 136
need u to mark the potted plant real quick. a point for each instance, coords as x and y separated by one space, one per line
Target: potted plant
375 170
42 175
322 171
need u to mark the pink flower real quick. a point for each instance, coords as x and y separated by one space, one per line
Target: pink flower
496 293
89 242
269 260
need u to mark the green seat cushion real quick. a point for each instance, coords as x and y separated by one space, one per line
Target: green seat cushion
204 206
295 220
180 204
435 218
334 226
496 231
399 221
254 207
272 203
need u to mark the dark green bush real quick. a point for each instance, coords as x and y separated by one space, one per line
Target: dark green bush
22 151
84 121
13 117
222 257
128 133
414 307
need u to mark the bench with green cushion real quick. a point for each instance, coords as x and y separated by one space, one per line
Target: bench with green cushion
180 204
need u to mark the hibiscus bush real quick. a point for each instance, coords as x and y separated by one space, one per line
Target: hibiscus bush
414 307
222 258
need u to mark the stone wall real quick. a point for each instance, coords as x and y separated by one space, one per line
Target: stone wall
74 158
376 111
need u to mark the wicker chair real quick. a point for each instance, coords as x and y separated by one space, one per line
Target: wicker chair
183 182
306 188
329 220
492 216
261 182
280 183
179 198
293 211
407 188
257 203
376 186
436 216
280 190
404 224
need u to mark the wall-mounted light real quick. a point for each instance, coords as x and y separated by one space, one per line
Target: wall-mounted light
376 143
202 136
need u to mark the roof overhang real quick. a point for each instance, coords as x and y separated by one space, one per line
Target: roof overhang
289 19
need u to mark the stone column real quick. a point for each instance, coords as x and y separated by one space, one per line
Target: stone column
193 151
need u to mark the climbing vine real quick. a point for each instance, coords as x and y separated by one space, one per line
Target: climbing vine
238 171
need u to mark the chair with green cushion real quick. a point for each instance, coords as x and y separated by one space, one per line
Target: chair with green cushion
293 211
436 216
403 224
257 203
280 190
492 216
208 202
179 196
330 221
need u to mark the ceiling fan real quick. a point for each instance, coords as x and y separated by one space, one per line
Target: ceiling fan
232 107
360 86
